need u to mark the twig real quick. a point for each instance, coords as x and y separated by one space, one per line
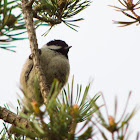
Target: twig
28 16
13 118
30 3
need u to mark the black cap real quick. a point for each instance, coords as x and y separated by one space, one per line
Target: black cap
64 47
57 43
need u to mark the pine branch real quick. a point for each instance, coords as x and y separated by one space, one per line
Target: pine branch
28 16
14 119
51 21
130 10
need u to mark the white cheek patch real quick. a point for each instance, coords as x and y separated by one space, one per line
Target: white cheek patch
53 47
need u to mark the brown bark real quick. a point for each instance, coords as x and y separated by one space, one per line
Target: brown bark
28 16
14 119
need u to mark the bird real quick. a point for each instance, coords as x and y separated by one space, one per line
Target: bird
54 62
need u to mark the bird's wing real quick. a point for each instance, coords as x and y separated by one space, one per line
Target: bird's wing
29 66
28 70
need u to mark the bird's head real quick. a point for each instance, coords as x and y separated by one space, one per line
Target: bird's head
59 46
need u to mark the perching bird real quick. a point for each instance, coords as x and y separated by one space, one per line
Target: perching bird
55 64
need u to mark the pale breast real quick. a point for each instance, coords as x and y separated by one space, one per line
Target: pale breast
56 67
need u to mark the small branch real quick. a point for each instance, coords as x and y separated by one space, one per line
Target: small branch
14 119
112 136
28 16
30 3
72 129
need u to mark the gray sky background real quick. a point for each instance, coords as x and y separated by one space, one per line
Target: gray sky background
102 52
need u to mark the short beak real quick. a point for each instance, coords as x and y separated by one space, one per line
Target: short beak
69 47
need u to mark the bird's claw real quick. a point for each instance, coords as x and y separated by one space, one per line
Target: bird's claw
31 55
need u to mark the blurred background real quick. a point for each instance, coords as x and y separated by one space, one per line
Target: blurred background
101 52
